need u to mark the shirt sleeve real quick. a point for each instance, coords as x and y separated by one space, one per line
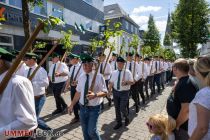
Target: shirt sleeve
42 80
24 108
102 84
65 68
79 85
112 78
203 98
130 76
186 93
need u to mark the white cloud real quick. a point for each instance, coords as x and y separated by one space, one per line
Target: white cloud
142 9
161 25
140 20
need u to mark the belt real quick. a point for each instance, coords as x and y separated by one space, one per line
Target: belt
123 91
89 107
39 96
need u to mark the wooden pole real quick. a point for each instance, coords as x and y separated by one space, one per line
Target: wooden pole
75 77
107 60
17 61
134 71
95 74
42 62
94 78
126 66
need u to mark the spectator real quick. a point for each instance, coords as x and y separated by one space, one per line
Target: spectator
157 126
199 110
178 102
192 72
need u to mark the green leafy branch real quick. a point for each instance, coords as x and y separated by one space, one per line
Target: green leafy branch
51 23
66 40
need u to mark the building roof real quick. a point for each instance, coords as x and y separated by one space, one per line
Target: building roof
115 11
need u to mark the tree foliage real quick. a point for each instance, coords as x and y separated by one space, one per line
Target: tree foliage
167 40
152 37
189 25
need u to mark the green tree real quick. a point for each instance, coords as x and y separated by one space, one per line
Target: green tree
167 40
152 37
189 25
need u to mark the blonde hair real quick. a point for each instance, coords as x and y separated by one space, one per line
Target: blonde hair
202 66
159 123
171 124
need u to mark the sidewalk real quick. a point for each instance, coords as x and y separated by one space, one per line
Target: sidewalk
137 129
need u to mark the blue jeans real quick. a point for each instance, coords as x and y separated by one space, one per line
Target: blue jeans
39 103
89 120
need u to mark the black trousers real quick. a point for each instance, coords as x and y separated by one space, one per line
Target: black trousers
141 90
149 83
76 106
135 93
57 90
120 103
157 81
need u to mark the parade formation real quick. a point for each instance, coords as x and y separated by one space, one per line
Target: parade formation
117 84
99 72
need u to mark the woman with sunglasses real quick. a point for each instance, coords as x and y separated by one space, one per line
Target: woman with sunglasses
199 109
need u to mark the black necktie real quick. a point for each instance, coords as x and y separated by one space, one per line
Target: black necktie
53 74
118 80
115 65
101 68
72 74
156 65
29 72
130 67
86 90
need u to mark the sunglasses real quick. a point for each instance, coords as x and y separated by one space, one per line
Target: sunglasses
150 126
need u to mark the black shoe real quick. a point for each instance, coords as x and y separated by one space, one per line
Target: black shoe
137 109
110 101
127 122
75 120
56 112
65 110
143 101
117 126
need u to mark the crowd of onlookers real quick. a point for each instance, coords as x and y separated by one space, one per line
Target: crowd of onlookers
188 105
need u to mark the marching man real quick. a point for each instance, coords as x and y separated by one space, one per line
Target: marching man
89 101
40 82
120 86
16 101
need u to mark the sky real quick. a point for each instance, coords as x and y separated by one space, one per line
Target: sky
139 11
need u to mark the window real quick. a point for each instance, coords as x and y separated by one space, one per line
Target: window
41 10
3 1
89 26
6 41
131 28
126 25
89 2
16 3
57 11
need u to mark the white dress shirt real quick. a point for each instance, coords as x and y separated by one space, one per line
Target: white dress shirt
161 66
114 79
113 65
150 68
107 71
17 106
166 66
77 66
142 71
100 86
21 70
157 69
40 81
137 70
60 68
